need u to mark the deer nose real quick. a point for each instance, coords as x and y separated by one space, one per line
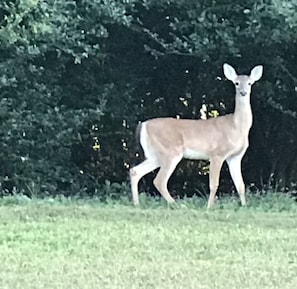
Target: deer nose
243 93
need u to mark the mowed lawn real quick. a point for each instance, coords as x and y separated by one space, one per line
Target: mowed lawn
46 245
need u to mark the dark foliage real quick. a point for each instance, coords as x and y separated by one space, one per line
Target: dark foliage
77 76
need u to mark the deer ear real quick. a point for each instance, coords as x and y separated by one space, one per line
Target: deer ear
229 72
256 73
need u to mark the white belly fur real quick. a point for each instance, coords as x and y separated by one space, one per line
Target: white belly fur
195 155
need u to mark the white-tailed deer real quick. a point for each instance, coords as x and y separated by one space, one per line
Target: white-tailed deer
165 141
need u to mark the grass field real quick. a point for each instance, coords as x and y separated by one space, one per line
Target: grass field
65 244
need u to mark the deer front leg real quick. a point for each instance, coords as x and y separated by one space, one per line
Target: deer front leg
214 177
234 164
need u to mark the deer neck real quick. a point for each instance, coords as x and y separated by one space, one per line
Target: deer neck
243 113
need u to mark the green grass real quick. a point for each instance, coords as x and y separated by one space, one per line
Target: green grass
86 244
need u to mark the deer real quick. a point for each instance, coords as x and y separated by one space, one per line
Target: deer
166 141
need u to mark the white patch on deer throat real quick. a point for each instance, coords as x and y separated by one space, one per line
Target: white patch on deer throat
195 155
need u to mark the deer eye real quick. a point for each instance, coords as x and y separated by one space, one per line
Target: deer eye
236 83
249 83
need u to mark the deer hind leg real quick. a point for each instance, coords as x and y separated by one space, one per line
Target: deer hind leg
137 172
214 178
161 180
234 164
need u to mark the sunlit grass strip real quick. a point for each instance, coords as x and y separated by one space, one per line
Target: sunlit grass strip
67 243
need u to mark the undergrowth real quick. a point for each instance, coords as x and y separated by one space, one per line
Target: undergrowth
271 201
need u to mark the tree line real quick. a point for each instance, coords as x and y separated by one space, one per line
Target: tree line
76 77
